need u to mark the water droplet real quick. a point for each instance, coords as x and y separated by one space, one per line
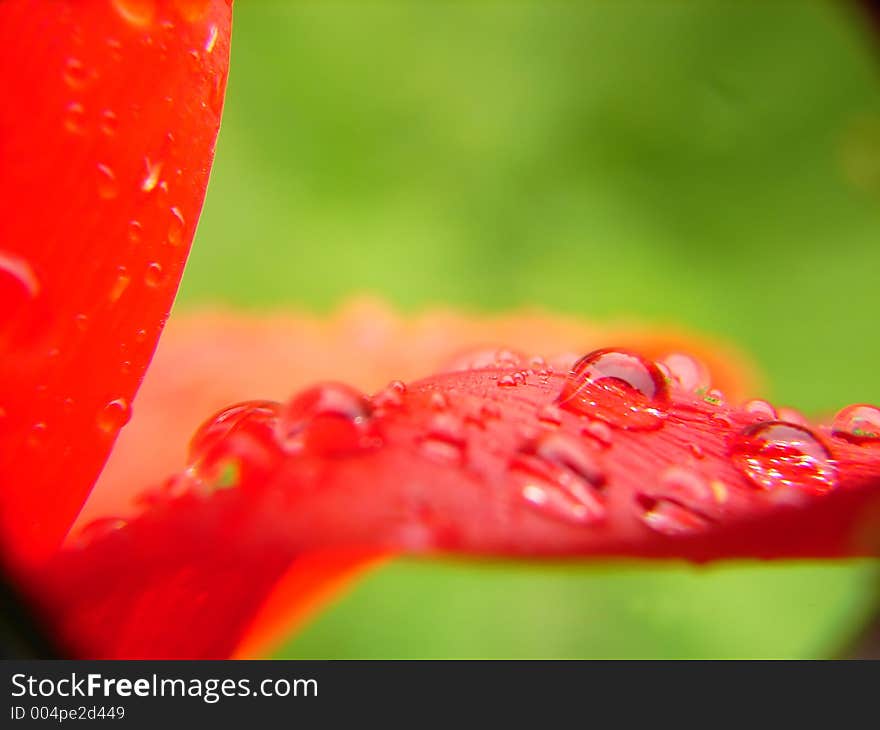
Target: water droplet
790 415
136 12
761 410
81 321
123 279
445 440
75 118
686 372
621 388
151 179
696 450
176 228
135 232
108 188
19 287
38 435
506 381
670 518
154 275
114 415
326 419
439 401
109 122
140 336
599 432
391 396
213 32
485 358
777 454
558 476
859 423
75 73
98 529
551 414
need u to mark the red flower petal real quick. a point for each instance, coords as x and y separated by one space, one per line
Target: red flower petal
107 130
509 460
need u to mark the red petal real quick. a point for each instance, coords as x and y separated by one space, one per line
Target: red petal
502 461
107 131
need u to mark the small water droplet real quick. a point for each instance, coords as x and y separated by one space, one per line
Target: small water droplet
485 358
696 450
445 440
140 336
599 432
326 419
98 529
123 279
761 410
439 401
151 179
176 227
38 435
19 287
621 388
154 275
686 372
136 12
790 415
114 415
109 122
81 321
670 518
859 423
506 381
75 118
558 476
391 396
777 454
714 397
135 232
551 414
108 188
75 74
213 32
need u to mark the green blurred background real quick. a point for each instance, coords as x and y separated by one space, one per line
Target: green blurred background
708 164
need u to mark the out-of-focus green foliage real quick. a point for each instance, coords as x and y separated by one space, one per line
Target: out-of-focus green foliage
712 164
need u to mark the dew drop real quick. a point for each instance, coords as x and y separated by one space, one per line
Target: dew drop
506 381
558 477
135 232
38 435
445 440
154 275
114 415
439 401
326 419
686 372
176 227
98 529
123 279
670 518
550 414
109 122
599 432
485 358
620 388
391 396
75 118
213 32
108 188
761 410
75 73
19 287
226 422
136 12
777 454
859 423
151 179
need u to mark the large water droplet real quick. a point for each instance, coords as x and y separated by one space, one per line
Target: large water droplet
621 388
326 419
114 415
778 454
859 423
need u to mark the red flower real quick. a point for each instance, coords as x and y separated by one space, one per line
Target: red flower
105 155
